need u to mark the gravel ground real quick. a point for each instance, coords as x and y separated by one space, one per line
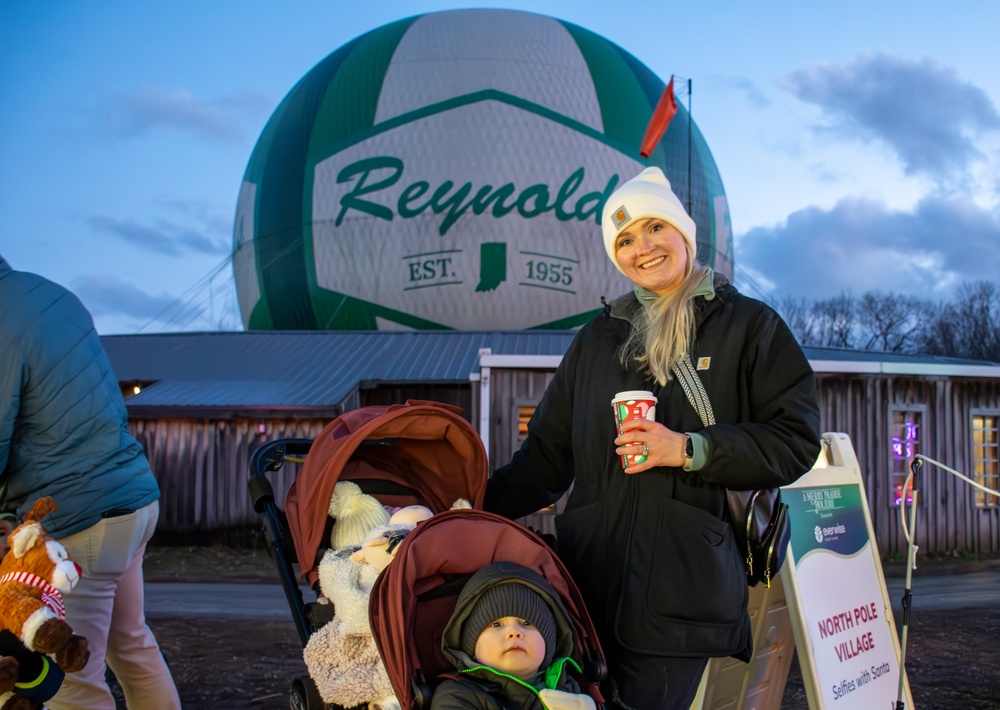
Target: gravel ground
951 662
226 664
951 655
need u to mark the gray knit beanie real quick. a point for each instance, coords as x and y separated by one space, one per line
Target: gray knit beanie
510 599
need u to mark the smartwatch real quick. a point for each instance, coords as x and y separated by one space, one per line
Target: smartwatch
688 452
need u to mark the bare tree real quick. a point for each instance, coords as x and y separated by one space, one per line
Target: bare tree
798 314
890 322
968 326
835 321
940 336
977 308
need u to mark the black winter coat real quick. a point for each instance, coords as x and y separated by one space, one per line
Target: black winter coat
654 553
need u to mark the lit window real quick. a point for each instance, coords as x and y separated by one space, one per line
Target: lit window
904 445
523 415
984 458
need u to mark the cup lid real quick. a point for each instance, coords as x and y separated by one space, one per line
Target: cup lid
633 394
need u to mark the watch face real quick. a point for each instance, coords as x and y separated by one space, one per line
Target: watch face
689 447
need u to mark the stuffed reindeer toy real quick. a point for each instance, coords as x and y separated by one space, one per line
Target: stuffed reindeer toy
33 577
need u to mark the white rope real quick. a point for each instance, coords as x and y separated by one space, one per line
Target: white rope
909 477
902 508
953 472
911 558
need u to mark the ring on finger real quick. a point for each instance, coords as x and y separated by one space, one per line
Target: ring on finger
645 450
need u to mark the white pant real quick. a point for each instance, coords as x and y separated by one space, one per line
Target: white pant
106 607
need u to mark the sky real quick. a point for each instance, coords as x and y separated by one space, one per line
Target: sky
858 142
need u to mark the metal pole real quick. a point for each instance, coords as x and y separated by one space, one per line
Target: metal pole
690 202
485 405
911 561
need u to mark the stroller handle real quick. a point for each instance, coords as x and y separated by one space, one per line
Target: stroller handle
270 456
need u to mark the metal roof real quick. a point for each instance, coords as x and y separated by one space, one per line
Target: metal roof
281 370
844 360
277 370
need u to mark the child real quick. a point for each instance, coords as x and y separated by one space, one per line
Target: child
38 676
510 639
8 521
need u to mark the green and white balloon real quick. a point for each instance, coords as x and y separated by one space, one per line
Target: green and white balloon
448 171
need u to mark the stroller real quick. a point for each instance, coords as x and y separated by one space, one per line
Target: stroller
415 595
419 453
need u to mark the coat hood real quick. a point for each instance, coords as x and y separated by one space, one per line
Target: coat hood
504 573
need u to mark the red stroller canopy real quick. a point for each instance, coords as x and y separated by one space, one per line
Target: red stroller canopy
431 454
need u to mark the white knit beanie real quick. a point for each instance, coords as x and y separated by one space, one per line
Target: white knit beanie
648 194
355 513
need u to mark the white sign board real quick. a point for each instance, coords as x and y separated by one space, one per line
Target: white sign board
845 636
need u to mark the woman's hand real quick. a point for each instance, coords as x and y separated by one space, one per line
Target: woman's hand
663 447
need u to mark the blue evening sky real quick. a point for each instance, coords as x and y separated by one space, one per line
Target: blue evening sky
858 142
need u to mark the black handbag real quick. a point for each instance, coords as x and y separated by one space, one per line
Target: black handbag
760 519
762 527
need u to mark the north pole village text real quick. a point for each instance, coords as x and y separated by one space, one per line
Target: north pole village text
855 645
859 642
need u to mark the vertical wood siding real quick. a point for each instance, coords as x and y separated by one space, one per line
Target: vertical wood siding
203 465
859 405
948 520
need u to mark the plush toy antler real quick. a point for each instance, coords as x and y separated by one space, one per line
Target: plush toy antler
42 507
33 577
31 529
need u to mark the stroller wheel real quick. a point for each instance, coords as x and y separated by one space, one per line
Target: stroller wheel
304 695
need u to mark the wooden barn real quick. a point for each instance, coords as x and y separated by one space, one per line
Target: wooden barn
892 406
201 403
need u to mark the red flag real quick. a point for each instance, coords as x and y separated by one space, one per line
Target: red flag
658 122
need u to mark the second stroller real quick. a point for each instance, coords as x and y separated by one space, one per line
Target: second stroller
416 595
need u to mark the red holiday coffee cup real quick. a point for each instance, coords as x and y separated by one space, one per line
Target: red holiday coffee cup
633 404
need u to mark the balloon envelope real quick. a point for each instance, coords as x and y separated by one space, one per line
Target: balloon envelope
448 171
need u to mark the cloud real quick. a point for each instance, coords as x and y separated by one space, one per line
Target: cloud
166 237
746 87
210 216
109 296
920 109
861 245
150 107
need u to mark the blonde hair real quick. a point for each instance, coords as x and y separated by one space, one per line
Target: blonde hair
664 331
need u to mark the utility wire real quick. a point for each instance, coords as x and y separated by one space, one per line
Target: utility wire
198 299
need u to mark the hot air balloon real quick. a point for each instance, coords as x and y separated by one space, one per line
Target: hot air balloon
448 171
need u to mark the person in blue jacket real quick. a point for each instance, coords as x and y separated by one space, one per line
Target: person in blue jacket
63 434
651 547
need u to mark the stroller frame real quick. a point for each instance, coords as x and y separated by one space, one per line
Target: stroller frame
416 453
267 458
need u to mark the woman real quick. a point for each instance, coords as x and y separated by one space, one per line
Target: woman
652 548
